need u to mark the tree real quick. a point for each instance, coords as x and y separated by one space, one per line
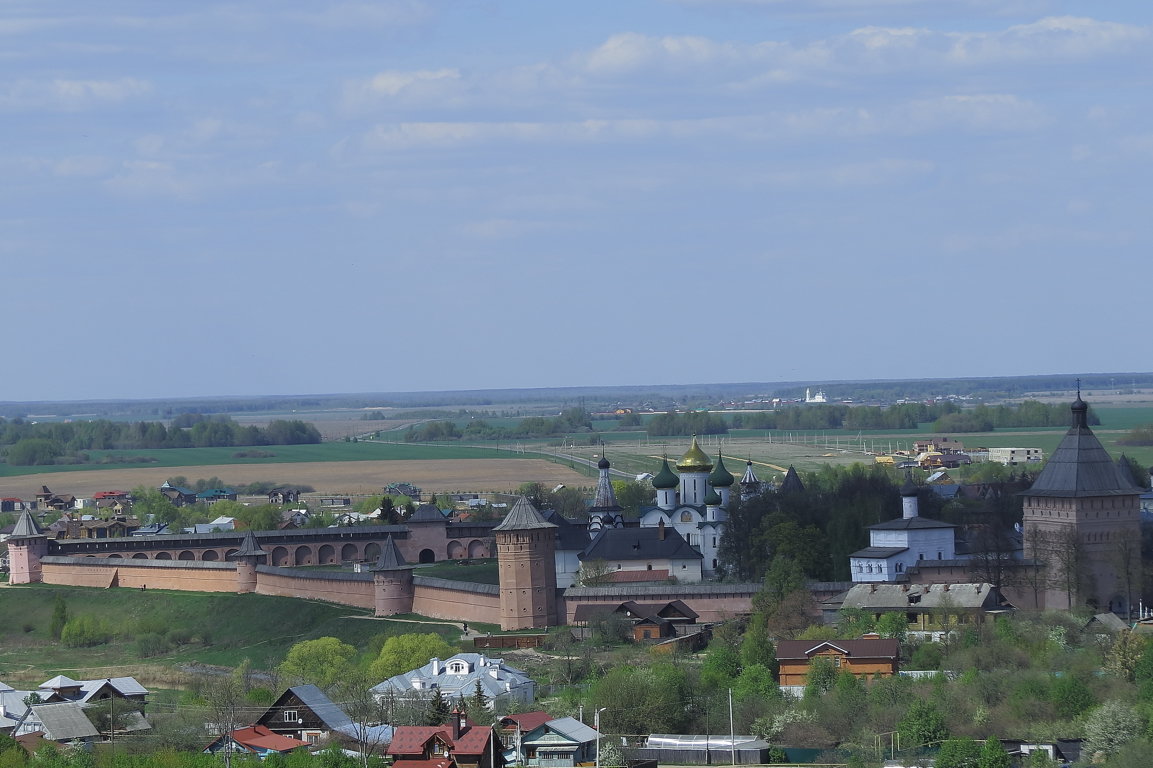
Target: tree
922 724
1127 655
756 647
322 662
784 598
958 753
594 572
993 755
59 617
632 495
821 678
477 704
1108 728
438 709
224 696
404 652
721 667
365 711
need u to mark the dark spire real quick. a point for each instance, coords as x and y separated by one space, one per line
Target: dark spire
249 547
390 557
26 527
1080 410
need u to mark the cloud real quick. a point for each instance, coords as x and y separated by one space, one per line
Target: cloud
70 95
400 85
976 113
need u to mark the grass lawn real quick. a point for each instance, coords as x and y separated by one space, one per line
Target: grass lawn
477 571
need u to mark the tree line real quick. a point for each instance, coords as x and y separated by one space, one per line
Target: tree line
29 443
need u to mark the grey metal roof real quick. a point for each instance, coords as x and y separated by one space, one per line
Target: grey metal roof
632 591
427 513
117 562
605 499
523 517
910 523
65 721
390 557
26 526
639 544
1080 466
333 717
573 729
922 597
879 552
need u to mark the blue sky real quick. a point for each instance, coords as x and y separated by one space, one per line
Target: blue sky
271 196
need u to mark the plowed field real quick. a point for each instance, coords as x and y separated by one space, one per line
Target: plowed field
353 477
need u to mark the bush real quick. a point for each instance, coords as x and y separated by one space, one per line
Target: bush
152 644
85 631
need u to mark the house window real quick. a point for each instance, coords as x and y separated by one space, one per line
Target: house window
291 716
836 661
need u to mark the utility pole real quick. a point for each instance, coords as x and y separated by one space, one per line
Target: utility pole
597 726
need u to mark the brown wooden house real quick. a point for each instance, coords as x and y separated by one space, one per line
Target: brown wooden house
459 743
865 657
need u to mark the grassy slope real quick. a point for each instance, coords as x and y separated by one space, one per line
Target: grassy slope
257 627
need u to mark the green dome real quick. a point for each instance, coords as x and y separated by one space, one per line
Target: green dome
712 498
694 460
665 478
721 477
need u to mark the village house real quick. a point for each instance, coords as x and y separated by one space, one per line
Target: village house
457 677
865 657
255 740
931 610
460 744
304 712
562 743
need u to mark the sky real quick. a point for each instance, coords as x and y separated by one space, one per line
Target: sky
287 197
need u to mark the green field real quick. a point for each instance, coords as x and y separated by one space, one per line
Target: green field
477 571
221 629
284 454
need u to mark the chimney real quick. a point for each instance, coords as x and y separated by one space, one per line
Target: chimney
435 665
872 588
979 588
945 587
661 530
904 587
459 724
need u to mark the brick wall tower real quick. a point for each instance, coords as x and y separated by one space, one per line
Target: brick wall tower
26 546
526 556
1082 525
392 581
247 558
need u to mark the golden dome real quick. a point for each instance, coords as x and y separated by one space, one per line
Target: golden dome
694 460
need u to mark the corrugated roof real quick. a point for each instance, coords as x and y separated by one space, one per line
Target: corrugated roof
921 597
65 721
523 517
1081 466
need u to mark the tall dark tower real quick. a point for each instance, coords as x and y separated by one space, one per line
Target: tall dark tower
1082 524
526 557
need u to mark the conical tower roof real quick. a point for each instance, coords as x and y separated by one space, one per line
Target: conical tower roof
26 527
721 477
750 477
792 482
1080 466
694 460
390 557
665 478
523 517
249 547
